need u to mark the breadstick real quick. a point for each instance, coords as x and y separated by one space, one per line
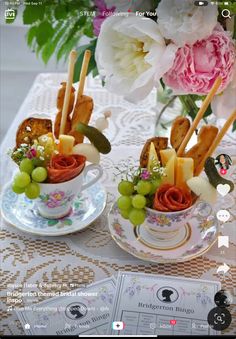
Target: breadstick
72 59
83 74
84 104
218 139
199 115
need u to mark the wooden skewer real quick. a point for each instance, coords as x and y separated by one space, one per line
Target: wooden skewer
199 115
72 59
83 74
218 139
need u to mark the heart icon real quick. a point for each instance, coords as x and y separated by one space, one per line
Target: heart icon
223 215
223 189
173 322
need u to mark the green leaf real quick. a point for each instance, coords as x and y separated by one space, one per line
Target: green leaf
162 83
78 64
95 72
44 32
67 222
47 51
12 13
82 21
62 38
88 31
31 34
51 45
60 12
66 48
155 4
75 29
38 50
52 222
92 64
208 112
234 126
32 13
189 105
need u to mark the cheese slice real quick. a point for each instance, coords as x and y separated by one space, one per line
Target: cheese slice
152 156
184 171
166 154
170 170
66 144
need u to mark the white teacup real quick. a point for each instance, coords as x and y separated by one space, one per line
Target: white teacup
165 225
55 200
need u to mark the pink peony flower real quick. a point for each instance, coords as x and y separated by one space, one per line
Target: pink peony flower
196 66
103 13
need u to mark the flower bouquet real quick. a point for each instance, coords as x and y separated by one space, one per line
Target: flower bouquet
136 46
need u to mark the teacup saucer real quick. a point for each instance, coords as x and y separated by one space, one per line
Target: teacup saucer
193 240
20 212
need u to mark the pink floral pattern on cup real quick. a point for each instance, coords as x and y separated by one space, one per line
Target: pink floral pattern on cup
162 220
57 198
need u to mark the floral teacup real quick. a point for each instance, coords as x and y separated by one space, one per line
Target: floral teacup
165 225
56 199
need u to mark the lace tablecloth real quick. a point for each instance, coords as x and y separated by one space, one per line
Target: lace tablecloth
91 255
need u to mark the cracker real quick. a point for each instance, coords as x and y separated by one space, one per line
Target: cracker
159 143
205 139
57 124
61 95
32 128
179 129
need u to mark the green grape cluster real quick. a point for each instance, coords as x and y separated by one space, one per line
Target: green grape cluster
134 199
26 181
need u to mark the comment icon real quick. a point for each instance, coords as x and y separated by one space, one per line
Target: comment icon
223 215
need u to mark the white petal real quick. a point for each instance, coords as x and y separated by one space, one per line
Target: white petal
224 103
183 22
132 56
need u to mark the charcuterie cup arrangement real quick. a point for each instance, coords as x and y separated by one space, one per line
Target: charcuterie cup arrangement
162 193
52 157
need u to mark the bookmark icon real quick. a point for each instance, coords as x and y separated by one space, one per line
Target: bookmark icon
223 240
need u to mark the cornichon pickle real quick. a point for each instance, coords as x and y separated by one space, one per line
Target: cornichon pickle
95 137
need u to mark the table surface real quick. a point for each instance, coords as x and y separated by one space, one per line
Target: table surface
91 255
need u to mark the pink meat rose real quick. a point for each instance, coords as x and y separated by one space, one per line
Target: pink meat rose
196 66
103 13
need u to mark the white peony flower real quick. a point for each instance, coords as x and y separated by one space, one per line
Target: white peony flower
224 103
183 22
124 5
132 56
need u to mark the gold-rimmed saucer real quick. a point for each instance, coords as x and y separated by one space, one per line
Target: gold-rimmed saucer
156 241
195 238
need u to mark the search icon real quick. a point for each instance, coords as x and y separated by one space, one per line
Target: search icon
226 13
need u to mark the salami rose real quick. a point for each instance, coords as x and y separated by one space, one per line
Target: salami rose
65 167
170 198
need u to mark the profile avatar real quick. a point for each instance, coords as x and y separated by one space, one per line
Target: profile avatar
222 298
223 162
